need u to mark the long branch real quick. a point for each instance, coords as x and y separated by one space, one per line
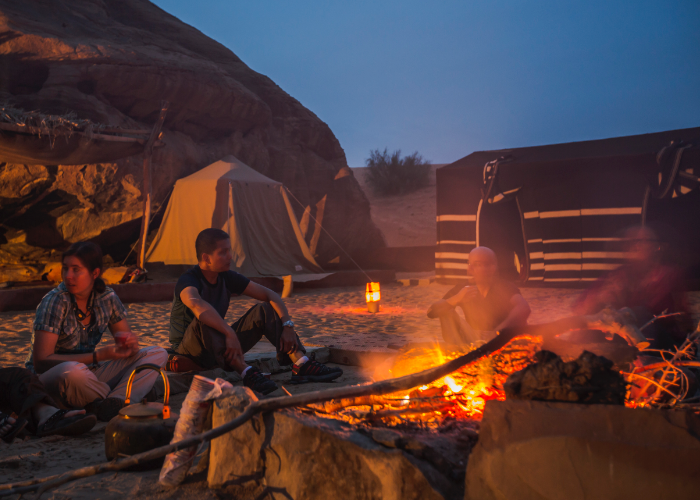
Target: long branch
383 387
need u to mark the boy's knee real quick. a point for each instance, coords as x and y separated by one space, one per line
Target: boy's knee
156 355
266 310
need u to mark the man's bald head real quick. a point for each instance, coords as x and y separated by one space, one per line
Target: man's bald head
483 265
483 254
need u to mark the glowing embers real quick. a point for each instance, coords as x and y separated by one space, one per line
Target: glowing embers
373 297
462 395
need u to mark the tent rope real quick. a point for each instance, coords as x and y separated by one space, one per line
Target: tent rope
329 234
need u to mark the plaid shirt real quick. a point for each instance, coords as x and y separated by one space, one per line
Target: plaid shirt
55 315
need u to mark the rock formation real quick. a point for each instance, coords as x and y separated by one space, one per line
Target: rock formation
113 61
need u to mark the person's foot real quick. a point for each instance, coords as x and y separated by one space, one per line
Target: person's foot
178 363
254 379
10 427
105 409
66 423
313 371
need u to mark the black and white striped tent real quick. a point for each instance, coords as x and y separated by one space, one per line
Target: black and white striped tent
552 212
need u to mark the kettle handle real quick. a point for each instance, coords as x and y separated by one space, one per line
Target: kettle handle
166 383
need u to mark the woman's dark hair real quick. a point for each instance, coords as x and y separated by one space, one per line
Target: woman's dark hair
90 254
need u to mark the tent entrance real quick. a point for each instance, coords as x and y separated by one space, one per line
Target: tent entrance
500 229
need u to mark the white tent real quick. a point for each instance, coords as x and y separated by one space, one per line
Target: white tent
253 209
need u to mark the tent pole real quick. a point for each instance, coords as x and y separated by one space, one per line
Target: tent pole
147 184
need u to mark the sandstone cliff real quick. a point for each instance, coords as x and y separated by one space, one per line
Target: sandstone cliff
113 61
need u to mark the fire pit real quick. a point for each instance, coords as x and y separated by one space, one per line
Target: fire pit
460 396
411 444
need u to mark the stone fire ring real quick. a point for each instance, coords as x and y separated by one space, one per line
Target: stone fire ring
526 450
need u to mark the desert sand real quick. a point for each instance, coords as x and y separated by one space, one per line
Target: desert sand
324 317
405 220
335 316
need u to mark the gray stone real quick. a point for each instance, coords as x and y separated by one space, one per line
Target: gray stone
533 450
302 457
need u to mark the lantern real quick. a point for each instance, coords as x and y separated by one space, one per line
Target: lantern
373 297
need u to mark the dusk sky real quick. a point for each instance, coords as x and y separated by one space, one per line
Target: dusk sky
446 78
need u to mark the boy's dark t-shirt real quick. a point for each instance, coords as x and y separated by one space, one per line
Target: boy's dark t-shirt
486 313
228 283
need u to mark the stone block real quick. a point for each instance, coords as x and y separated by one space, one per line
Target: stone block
303 457
534 450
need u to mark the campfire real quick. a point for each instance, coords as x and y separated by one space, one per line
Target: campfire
460 396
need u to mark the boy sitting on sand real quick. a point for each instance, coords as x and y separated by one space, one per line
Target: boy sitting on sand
490 306
199 332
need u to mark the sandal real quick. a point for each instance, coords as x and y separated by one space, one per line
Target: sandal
17 427
71 426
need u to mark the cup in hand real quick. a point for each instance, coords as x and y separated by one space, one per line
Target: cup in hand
121 339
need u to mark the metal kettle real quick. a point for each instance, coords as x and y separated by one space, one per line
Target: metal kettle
141 426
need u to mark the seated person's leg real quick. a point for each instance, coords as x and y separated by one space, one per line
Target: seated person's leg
116 373
73 385
23 393
455 330
206 347
261 320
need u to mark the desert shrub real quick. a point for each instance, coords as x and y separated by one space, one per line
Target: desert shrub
391 174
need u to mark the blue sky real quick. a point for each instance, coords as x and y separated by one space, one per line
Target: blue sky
446 78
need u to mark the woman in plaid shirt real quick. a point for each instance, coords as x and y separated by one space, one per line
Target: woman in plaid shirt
69 324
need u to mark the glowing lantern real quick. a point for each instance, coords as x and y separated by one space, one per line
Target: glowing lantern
373 297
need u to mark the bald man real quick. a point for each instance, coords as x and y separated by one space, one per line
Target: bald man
489 306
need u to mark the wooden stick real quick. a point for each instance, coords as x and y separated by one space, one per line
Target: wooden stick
147 184
383 387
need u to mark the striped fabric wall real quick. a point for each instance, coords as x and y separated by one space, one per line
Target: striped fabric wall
457 205
574 212
457 235
576 245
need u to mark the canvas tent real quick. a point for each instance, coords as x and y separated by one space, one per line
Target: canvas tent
253 209
552 212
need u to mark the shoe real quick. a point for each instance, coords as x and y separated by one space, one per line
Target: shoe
177 363
254 379
15 428
105 409
313 371
60 425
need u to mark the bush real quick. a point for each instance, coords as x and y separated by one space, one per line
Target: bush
391 174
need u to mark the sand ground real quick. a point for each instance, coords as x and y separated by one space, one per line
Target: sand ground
327 317
324 317
405 220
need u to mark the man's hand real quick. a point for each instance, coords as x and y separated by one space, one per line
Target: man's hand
112 352
234 353
288 340
126 341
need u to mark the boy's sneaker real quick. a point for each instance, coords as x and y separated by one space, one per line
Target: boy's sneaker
254 379
313 371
